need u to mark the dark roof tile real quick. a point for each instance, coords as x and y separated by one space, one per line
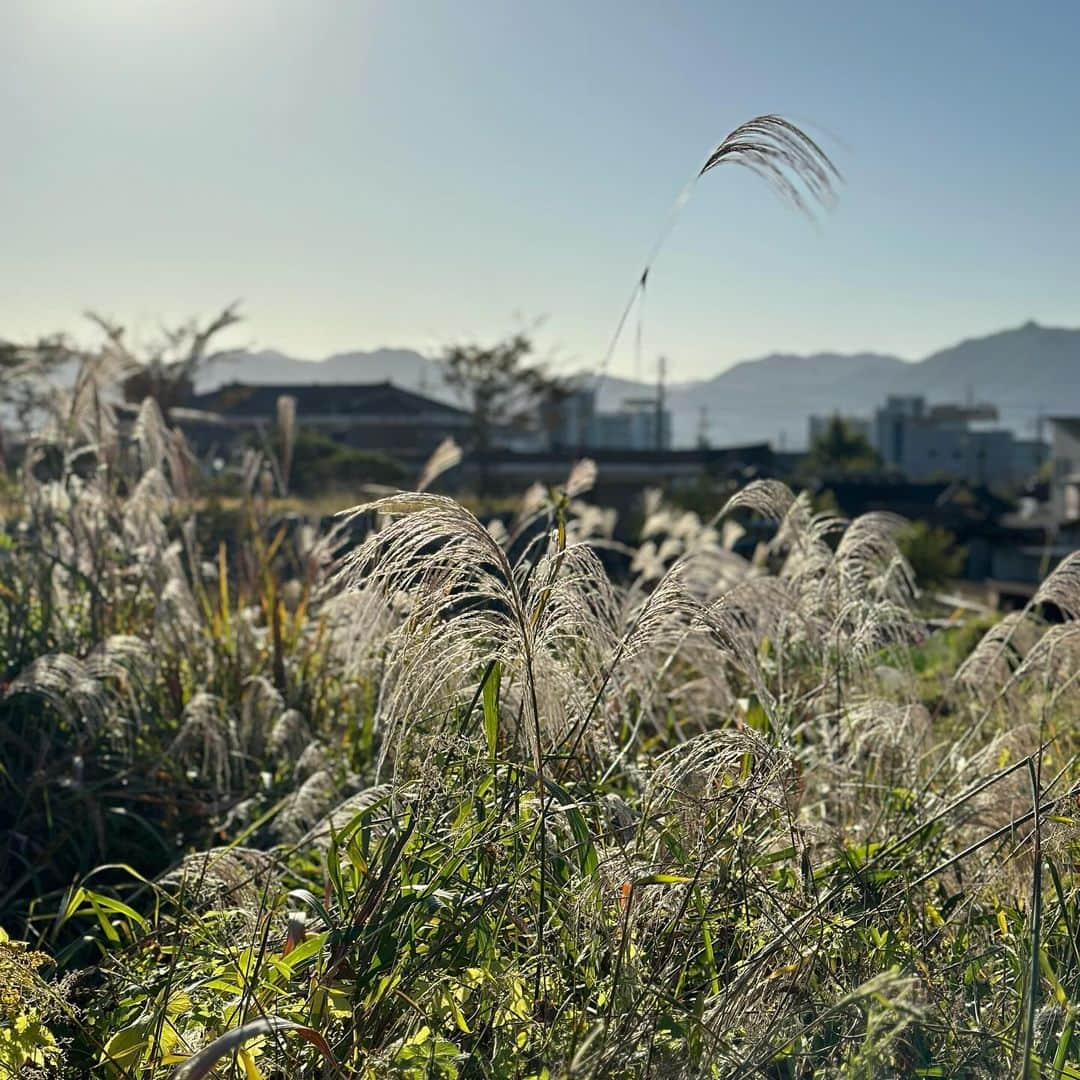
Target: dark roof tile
381 399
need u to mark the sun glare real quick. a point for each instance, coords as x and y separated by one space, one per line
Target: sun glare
137 16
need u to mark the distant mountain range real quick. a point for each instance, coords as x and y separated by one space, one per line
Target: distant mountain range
1025 372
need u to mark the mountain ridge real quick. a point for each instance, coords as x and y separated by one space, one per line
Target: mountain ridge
1025 370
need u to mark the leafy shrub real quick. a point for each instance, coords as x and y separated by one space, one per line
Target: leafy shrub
321 464
933 553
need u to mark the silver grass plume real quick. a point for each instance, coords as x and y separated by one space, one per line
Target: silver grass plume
660 619
868 559
770 499
303 807
550 618
782 155
251 467
222 878
65 682
204 741
888 735
1055 658
312 759
289 735
151 435
743 618
582 478
726 767
534 502
454 574
998 654
286 431
375 803
773 148
126 665
447 455
588 522
261 701
121 657
183 466
1062 587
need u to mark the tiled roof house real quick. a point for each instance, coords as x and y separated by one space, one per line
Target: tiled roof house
370 416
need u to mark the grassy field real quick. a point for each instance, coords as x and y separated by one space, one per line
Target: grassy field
425 798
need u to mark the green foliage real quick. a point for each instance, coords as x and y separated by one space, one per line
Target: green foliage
502 388
839 450
26 1003
932 552
463 806
321 464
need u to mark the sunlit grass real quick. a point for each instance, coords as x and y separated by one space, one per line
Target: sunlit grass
459 804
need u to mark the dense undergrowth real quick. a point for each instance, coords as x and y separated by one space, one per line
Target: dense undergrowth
427 798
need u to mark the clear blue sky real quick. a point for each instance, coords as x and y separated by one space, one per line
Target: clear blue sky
408 172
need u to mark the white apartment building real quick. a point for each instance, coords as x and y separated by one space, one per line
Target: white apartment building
1065 469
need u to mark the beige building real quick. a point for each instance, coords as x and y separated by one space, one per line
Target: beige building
1065 471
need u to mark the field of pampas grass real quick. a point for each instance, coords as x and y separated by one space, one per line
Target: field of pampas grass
428 795
424 796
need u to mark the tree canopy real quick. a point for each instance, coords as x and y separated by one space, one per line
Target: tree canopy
840 448
503 388
165 370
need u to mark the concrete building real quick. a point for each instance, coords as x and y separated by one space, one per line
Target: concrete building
1029 456
641 424
929 442
1065 469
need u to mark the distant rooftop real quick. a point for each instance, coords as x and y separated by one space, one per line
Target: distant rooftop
982 411
379 399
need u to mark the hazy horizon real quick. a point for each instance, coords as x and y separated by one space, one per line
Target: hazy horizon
407 175
267 347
